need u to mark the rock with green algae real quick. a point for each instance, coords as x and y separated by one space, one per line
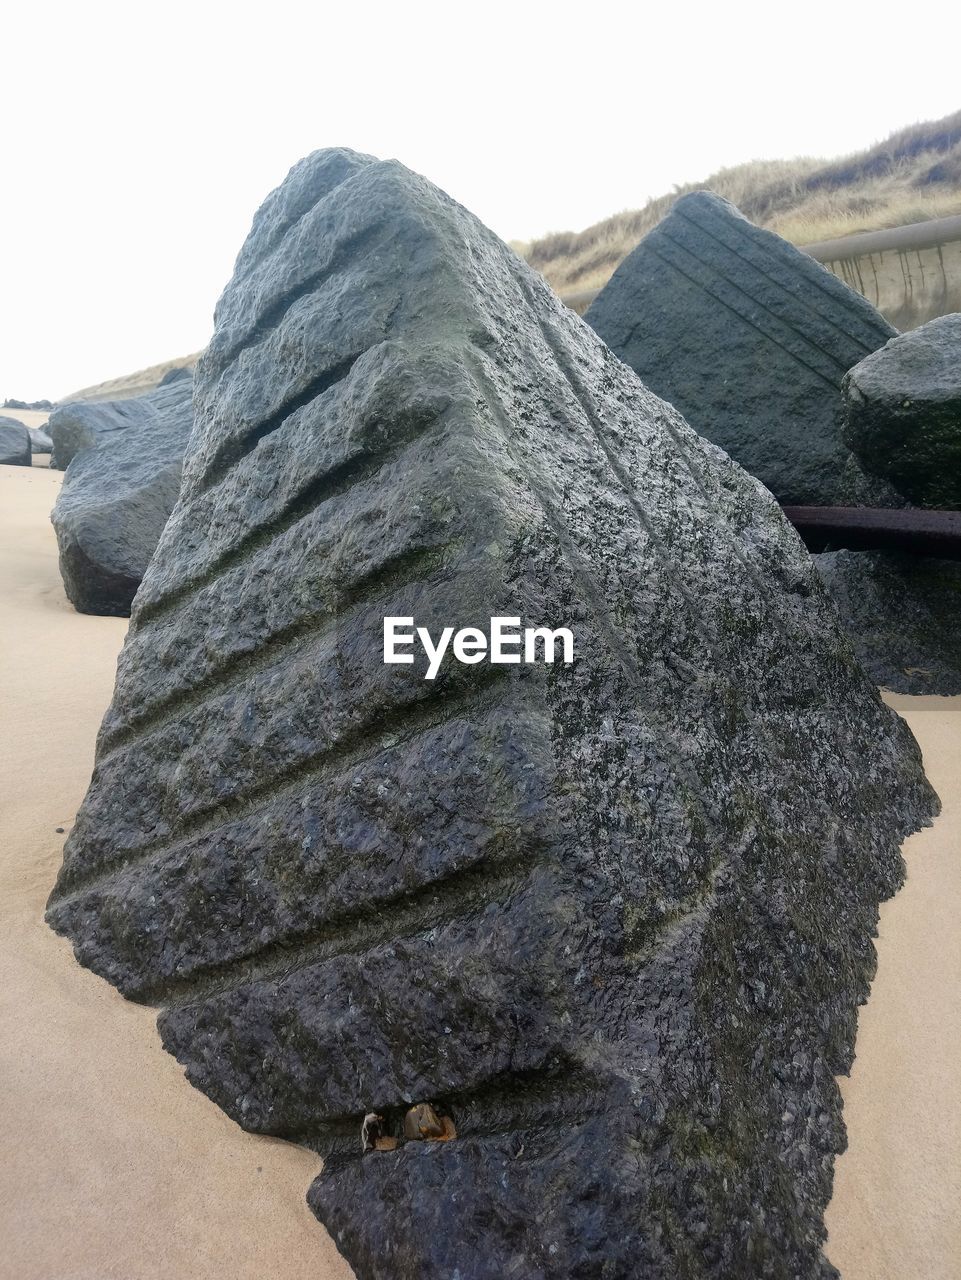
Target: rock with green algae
123 460
750 338
903 413
611 919
902 613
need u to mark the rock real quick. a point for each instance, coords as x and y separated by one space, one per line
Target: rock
40 442
903 413
43 406
118 491
14 443
749 338
903 616
82 424
176 375
611 918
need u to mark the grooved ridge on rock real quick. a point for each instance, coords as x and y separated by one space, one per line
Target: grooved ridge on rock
613 918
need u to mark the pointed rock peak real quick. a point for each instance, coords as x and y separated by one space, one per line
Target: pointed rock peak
308 182
554 961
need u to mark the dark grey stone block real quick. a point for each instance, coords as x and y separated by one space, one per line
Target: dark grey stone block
903 616
903 413
749 338
120 486
14 443
612 920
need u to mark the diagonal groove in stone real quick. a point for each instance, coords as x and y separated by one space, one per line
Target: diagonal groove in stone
330 484
557 1093
407 721
703 624
271 318
615 465
378 921
728 306
235 448
815 281
272 241
647 940
590 592
735 545
401 570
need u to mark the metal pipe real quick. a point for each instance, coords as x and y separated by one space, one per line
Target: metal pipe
924 533
915 235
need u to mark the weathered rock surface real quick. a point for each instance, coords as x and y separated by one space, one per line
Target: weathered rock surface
903 413
179 374
903 616
126 459
14 443
75 426
749 338
82 424
611 920
40 442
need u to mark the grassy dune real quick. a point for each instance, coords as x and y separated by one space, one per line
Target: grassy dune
132 384
913 175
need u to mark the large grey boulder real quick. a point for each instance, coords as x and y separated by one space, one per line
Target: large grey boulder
40 442
83 424
118 492
903 413
903 615
76 425
603 926
749 338
14 443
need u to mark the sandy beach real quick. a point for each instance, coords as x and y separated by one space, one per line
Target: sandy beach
896 1210
29 417
113 1166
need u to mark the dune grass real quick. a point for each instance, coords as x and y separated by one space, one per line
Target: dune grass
909 177
132 384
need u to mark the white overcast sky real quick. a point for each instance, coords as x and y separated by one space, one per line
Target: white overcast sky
138 139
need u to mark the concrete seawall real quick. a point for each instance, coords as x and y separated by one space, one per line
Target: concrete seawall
911 273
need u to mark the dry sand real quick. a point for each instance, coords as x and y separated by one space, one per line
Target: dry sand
111 1165
29 417
896 1212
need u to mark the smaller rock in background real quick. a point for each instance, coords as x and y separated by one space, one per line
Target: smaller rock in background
123 479
37 406
902 615
749 338
40 442
903 413
14 443
176 375
80 425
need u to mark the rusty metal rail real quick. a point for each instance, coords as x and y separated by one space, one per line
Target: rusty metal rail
926 533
